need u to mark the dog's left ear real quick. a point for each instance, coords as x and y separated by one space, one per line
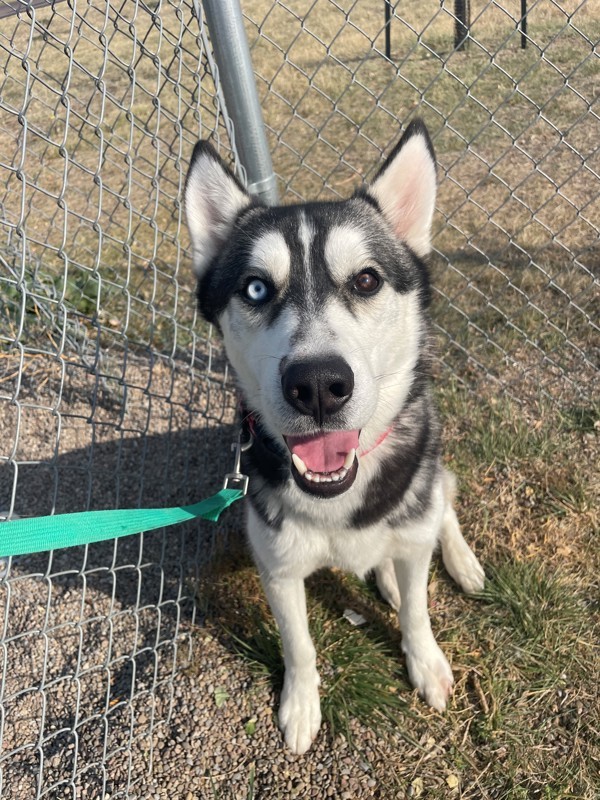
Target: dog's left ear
405 188
213 199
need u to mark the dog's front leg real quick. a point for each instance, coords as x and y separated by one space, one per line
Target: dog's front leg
300 710
427 666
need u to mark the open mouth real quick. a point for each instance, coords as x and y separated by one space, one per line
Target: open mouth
324 464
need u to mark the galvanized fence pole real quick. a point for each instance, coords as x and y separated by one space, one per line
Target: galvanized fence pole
236 75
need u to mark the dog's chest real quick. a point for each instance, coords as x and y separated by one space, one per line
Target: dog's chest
300 549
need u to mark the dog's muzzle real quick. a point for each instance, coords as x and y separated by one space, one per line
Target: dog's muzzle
324 463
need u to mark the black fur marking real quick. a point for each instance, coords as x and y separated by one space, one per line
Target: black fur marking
223 277
403 279
363 194
309 286
417 451
260 506
268 467
205 148
267 459
425 281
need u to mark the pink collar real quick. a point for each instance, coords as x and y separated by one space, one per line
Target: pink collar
379 441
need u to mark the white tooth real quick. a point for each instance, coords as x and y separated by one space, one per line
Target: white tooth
326 479
335 476
316 478
299 464
350 459
309 475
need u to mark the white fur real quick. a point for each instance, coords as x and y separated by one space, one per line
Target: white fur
387 583
306 235
316 534
270 256
346 252
306 543
382 373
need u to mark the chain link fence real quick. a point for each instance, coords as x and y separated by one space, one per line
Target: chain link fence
113 394
516 135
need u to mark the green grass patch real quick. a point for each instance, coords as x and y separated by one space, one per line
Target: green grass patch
538 608
361 675
495 431
537 652
581 418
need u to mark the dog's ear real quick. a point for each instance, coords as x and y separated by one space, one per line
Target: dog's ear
213 199
405 188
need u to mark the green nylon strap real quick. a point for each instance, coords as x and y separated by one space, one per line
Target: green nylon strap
38 534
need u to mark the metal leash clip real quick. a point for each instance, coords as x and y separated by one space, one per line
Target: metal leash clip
237 479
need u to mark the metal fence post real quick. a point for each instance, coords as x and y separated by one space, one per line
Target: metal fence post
523 24
388 32
462 23
232 55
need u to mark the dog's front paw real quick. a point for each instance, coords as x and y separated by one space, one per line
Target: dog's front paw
430 673
300 710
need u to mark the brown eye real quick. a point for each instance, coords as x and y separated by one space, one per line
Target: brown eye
366 283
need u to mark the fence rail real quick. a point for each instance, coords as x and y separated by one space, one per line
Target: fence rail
113 393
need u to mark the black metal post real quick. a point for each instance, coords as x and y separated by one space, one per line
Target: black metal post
388 29
523 24
462 23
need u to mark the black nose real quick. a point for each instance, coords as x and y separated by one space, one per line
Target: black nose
318 388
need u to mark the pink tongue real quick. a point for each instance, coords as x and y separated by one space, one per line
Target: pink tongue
324 452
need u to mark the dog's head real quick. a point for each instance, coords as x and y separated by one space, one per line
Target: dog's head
320 304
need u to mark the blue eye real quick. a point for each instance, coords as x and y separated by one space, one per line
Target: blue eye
256 291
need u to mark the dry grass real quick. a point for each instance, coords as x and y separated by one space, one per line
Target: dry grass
515 133
97 116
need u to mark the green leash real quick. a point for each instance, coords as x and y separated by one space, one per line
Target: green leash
22 536
35 535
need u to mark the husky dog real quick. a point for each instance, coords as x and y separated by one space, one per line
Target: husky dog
323 310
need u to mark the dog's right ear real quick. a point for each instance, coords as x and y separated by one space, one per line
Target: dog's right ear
405 188
213 199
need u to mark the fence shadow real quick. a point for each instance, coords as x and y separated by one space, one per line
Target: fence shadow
115 616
